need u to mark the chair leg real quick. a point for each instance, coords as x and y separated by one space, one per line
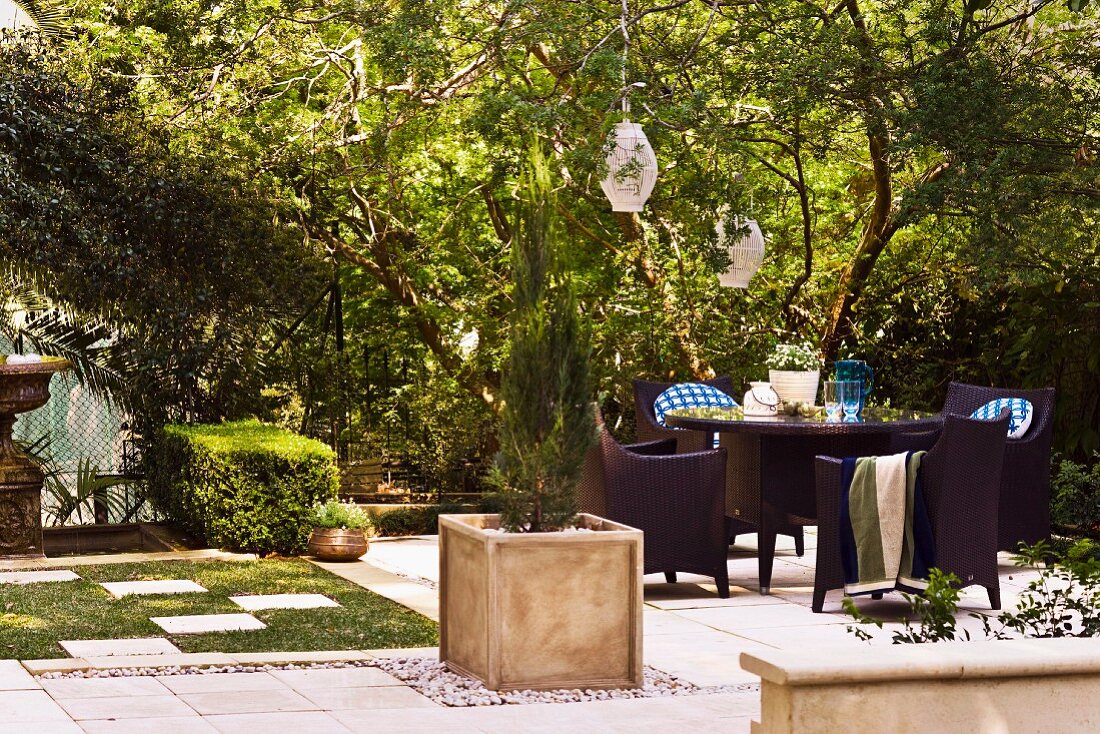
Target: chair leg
722 581
670 577
766 552
994 596
819 600
800 543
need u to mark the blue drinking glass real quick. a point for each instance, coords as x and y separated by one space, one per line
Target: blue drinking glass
851 393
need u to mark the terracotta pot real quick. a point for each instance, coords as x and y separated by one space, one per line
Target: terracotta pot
541 610
338 544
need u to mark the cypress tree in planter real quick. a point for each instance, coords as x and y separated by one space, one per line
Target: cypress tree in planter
538 596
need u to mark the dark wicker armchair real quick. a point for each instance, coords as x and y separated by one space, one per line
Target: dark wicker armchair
962 477
648 429
677 500
1025 478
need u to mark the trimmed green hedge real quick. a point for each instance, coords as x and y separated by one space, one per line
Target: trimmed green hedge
244 486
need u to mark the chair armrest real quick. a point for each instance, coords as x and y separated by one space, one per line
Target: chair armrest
663 447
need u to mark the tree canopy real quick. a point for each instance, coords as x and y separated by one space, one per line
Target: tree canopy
924 171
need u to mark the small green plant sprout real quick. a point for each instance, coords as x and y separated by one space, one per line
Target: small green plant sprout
934 613
1062 601
337 514
794 358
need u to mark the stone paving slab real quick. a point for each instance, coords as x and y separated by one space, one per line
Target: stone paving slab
36 577
248 702
377 697
125 707
285 722
283 601
14 677
332 678
119 589
221 683
196 624
27 707
193 724
60 688
111 648
43 727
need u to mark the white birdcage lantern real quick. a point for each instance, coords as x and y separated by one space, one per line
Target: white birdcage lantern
631 168
745 250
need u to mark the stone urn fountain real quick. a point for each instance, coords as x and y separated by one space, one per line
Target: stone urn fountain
23 387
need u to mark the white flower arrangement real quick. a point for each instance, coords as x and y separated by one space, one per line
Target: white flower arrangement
794 358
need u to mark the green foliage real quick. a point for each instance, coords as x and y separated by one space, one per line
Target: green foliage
547 423
90 492
397 151
933 612
158 273
1075 495
405 521
337 514
1064 601
244 486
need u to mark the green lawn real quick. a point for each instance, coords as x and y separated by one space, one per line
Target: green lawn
34 617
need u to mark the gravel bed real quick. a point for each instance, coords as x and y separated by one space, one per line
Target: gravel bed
431 678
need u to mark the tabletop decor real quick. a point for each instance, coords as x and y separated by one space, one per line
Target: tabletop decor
761 400
794 370
858 371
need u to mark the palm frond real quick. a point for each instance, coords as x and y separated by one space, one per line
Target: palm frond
91 489
54 329
47 16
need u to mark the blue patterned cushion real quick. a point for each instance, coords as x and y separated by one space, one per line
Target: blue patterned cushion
690 395
1020 409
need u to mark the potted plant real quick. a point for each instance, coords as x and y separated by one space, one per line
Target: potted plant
339 531
538 597
794 370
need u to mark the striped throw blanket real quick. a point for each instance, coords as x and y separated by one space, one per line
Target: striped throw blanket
885 534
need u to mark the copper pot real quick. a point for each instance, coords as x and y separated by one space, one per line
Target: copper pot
338 544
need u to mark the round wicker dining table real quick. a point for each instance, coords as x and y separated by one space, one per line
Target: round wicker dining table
770 461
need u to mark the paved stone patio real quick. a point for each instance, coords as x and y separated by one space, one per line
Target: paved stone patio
689 632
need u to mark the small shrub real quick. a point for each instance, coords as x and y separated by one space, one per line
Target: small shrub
1075 496
1063 601
337 514
406 521
245 486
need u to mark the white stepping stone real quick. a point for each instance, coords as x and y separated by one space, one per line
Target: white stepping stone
283 601
36 577
114 648
195 624
119 589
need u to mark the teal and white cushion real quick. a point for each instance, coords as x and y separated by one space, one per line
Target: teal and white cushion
1020 411
690 395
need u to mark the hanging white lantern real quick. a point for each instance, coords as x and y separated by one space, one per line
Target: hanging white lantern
746 253
631 168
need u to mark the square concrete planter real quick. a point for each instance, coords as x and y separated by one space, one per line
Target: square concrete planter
541 610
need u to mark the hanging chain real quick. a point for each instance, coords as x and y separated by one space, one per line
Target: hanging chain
626 50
